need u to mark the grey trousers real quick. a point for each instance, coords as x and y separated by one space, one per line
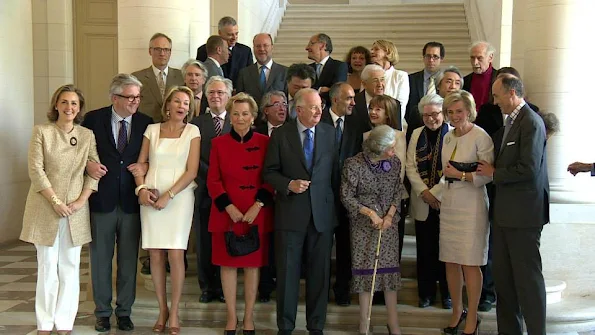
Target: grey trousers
107 230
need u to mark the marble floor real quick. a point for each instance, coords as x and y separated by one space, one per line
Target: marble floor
18 269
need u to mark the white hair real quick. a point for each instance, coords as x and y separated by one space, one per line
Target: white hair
368 69
490 50
227 82
430 100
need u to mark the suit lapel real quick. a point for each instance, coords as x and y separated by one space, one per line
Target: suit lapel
172 78
275 70
107 122
319 144
419 84
255 75
295 141
326 71
134 133
153 85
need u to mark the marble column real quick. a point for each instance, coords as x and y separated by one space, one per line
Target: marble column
186 22
16 112
552 46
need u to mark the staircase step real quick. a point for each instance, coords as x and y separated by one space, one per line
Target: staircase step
375 33
379 20
405 8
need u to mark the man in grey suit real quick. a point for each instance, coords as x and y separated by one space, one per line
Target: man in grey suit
300 164
212 124
158 77
521 208
217 55
263 76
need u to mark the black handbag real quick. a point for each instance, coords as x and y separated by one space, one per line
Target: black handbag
463 167
241 245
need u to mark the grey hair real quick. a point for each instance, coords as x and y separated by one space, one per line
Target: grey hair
380 139
490 50
370 68
266 99
196 63
299 96
120 81
227 82
430 100
440 75
226 21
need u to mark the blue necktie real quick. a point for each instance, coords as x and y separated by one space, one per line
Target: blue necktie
339 132
309 148
122 136
263 77
318 67
507 127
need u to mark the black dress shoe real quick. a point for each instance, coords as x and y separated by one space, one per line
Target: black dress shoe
146 267
447 303
264 296
249 332
343 299
124 323
102 324
206 297
484 305
221 298
425 302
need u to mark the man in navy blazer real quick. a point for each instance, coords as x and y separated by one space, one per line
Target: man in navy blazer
115 211
240 55
328 70
521 208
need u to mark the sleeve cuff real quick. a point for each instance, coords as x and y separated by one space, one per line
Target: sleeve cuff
222 201
265 196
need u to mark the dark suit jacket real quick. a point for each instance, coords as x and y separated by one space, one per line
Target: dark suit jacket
212 69
333 71
361 112
249 81
521 195
285 161
240 57
151 99
467 85
416 92
204 122
116 188
490 118
262 128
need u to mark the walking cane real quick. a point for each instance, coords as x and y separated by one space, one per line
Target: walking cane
373 281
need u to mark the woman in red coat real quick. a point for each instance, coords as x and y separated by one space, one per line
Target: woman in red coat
240 200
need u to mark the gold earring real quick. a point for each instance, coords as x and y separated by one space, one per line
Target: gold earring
167 113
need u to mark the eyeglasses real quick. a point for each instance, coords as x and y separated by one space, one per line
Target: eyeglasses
432 57
130 98
314 108
311 43
216 92
160 50
277 105
430 115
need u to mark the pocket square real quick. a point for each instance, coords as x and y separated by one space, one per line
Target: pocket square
510 143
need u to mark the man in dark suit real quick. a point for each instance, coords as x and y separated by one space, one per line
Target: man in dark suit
374 84
263 76
348 136
274 113
158 77
115 211
211 124
240 54
521 208
299 76
423 82
328 71
218 55
299 164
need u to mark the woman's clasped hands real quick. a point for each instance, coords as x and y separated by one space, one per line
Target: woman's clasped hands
237 216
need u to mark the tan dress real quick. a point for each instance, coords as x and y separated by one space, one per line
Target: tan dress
55 162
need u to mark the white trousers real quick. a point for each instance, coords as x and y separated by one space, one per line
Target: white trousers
57 293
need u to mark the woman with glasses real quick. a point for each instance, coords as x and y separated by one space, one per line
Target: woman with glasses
424 171
385 54
56 218
357 58
240 201
166 195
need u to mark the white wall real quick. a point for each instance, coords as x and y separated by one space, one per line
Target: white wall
487 22
16 112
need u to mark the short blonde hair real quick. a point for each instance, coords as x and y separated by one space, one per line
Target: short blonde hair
392 54
173 90
243 98
467 100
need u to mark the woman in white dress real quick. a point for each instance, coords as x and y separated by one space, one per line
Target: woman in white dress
166 195
464 226
385 54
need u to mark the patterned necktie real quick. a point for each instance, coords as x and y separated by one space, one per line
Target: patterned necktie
122 136
309 148
217 124
507 127
161 83
431 86
339 131
263 78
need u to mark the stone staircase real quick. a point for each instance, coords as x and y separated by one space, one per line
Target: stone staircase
409 26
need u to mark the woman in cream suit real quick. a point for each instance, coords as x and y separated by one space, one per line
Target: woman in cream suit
56 215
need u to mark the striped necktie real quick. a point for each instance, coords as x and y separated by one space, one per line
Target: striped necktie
431 86
217 123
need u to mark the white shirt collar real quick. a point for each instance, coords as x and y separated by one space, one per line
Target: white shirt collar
215 61
270 127
117 118
335 117
302 128
268 65
222 115
324 60
156 70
